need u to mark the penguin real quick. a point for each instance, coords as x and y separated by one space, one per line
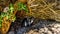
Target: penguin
27 22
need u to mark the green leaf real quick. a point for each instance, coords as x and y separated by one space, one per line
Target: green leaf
11 8
22 6
0 25
14 19
8 14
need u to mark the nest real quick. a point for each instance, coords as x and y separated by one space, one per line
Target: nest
44 9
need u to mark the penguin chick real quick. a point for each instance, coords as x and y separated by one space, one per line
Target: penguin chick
27 21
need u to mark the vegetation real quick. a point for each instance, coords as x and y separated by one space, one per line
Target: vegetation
22 6
10 14
7 14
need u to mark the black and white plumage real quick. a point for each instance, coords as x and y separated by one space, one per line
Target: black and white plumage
27 21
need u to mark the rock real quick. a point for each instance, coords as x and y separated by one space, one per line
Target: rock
11 32
51 28
6 9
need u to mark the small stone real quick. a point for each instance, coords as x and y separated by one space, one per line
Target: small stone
49 32
57 25
6 9
11 32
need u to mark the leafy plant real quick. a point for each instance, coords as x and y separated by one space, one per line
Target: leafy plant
10 14
22 6
7 14
11 8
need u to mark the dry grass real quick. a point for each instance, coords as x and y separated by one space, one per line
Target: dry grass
44 9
